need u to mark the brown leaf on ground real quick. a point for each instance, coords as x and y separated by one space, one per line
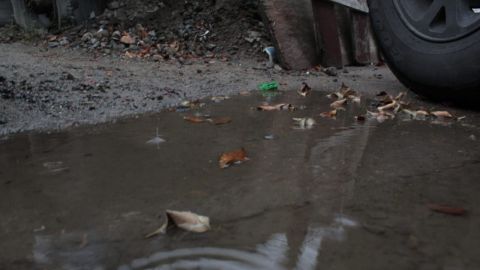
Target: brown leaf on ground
400 96
442 114
389 106
448 210
220 120
127 39
130 55
227 159
346 91
184 220
194 119
330 114
339 103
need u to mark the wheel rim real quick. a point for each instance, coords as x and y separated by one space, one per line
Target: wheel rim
439 20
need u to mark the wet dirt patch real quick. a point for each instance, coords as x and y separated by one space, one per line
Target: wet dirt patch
332 196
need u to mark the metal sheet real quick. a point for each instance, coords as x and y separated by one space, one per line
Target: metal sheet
359 5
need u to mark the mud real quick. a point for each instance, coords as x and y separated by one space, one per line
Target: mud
343 195
43 89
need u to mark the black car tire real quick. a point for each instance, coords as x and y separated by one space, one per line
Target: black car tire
448 69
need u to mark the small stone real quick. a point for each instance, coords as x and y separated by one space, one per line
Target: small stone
87 37
157 57
211 46
331 71
102 33
113 5
64 41
473 137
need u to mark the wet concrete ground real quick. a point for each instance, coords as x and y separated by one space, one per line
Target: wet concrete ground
343 195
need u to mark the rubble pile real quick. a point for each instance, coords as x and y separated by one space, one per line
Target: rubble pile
171 30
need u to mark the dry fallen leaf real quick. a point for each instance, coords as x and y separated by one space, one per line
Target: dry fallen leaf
389 106
444 209
304 90
278 107
194 119
219 98
220 120
443 114
184 220
130 55
227 159
305 123
346 91
127 39
330 114
339 103
381 116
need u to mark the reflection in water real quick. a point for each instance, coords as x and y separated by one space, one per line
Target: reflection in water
270 255
63 252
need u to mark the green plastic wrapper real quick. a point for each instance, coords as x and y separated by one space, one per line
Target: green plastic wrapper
268 86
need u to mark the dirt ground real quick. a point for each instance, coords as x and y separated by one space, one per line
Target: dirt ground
56 88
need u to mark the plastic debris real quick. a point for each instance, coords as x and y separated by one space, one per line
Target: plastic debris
268 86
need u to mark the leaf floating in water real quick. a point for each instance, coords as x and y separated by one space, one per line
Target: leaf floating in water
187 221
345 92
305 123
339 103
220 120
194 119
330 114
229 158
278 107
449 210
305 90
218 99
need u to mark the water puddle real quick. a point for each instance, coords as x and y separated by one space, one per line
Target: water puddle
339 194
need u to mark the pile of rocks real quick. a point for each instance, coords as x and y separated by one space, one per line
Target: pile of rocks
171 30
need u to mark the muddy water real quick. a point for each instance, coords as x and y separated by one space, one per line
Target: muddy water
343 195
